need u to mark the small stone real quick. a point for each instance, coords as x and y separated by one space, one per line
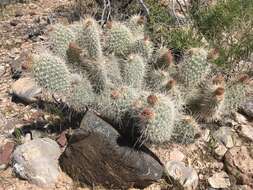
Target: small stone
239 163
14 22
18 13
240 118
2 70
220 151
248 108
219 180
96 154
5 154
37 161
247 131
187 177
177 155
62 140
225 136
26 89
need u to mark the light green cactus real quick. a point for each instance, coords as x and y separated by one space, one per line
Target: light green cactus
136 25
143 47
208 102
89 38
133 70
51 72
195 67
237 93
156 118
118 38
185 131
60 38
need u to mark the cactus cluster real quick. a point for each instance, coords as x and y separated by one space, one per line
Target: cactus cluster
117 71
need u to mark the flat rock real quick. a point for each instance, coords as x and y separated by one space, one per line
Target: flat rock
239 163
2 70
247 131
187 177
26 89
248 108
5 154
219 180
37 161
225 135
220 151
96 154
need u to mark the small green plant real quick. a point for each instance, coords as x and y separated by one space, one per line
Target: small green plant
227 26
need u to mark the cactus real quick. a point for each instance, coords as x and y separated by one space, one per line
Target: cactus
157 116
133 71
164 59
115 72
114 103
195 68
89 38
208 103
118 38
185 131
81 96
136 25
237 93
143 47
60 39
51 72
156 80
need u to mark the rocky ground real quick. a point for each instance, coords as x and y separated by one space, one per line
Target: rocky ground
219 159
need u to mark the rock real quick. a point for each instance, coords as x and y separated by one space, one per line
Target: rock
97 155
2 70
5 154
240 118
219 180
14 22
187 177
247 131
62 140
225 136
176 155
26 89
239 163
220 151
37 161
248 108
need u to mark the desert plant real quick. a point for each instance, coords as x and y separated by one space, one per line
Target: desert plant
123 77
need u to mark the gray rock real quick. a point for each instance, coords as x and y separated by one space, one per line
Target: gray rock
225 135
96 154
26 89
187 177
239 164
248 108
247 132
37 161
220 151
2 70
219 180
